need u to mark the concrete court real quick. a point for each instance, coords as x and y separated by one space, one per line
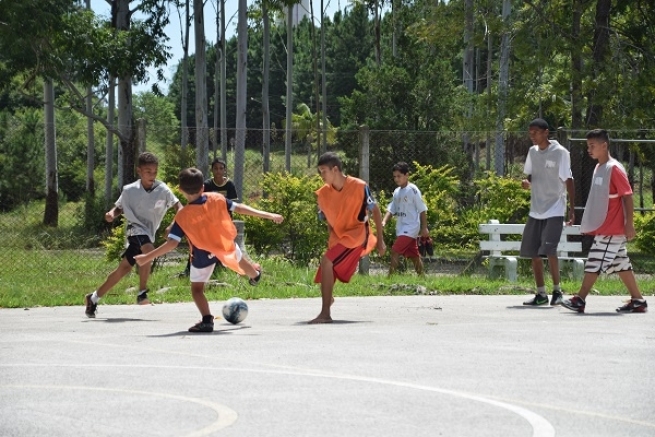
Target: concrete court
389 366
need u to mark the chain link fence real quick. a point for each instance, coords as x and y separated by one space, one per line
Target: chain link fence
27 242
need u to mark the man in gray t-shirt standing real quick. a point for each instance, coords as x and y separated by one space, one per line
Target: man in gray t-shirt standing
549 179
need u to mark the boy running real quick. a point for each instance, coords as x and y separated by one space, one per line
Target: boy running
144 204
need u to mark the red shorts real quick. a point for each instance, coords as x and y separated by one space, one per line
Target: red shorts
344 262
406 246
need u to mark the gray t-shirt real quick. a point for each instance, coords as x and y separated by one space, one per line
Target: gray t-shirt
144 210
550 169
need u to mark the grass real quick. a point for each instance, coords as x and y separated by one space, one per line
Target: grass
61 278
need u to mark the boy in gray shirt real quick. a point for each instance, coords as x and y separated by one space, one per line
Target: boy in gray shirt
144 204
548 166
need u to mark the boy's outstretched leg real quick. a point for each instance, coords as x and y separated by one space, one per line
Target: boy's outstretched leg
418 265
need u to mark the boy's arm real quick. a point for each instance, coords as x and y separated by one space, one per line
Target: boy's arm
424 224
249 210
629 209
570 189
111 215
386 218
379 229
145 258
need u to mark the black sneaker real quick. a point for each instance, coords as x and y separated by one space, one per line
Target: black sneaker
633 306
91 307
556 299
254 281
202 327
142 299
574 304
539 299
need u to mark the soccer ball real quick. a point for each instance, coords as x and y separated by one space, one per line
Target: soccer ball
235 310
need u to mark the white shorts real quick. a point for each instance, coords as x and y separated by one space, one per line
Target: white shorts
608 254
202 274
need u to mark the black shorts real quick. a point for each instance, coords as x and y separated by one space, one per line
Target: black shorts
541 237
134 247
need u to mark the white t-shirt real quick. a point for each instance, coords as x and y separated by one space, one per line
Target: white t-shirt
407 206
144 210
550 169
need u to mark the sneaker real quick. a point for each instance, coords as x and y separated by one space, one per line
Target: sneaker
574 304
91 307
254 281
142 299
633 306
539 299
202 327
556 299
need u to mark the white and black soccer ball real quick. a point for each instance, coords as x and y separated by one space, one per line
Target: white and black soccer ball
235 310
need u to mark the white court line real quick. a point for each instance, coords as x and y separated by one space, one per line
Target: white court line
540 426
226 416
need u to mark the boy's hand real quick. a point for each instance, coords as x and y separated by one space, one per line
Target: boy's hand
381 247
277 218
630 232
525 184
109 217
141 259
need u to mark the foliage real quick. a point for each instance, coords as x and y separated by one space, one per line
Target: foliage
174 161
645 228
301 236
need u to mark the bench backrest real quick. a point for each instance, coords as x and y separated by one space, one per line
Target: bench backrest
496 246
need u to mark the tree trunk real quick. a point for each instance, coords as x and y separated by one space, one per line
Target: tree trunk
202 126
51 214
125 123
109 145
323 83
503 86
90 140
600 53
289 100
266 114
223 85
242 93
184 138
316 86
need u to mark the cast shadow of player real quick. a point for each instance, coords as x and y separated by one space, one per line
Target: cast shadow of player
529 307
220 330
334 322
118 320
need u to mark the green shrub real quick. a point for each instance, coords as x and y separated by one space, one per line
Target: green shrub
301 237
645 238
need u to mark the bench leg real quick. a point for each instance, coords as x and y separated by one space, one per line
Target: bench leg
578 269
509 265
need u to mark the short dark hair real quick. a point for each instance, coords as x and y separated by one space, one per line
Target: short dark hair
402 167
599 134
330 159
540 123
191 180
218 161
147 158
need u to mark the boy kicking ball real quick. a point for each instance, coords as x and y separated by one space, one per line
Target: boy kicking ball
208 226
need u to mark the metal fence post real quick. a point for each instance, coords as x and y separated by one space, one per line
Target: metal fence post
364 262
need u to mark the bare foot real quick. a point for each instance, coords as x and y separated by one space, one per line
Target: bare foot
320 319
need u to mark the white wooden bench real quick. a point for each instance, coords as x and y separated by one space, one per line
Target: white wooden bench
503 255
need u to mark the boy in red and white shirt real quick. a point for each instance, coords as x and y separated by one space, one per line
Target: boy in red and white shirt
608 216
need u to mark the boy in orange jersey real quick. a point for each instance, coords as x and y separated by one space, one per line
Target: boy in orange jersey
208 226
344 202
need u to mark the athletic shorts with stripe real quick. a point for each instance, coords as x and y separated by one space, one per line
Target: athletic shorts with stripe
344 262
608 254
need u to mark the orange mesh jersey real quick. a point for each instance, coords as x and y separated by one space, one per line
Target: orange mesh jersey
208 226
345 212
